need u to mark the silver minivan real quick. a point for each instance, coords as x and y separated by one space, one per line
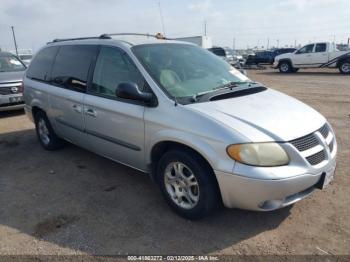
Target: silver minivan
204 132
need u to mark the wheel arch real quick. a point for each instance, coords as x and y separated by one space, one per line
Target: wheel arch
161 147
35 110
288 60
344 59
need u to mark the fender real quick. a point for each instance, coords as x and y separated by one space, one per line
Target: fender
285 60
199 144
343 58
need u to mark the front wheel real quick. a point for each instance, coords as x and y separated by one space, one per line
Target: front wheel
188 184
285 67
344 67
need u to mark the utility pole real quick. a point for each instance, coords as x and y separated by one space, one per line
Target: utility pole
14 39
205 27
161 18
268 43
234 44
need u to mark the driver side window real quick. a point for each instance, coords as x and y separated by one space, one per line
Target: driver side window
306 49
113 67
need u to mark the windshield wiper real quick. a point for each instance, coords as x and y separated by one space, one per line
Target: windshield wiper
229 85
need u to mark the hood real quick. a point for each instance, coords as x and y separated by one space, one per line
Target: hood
15 76
265 116
285 55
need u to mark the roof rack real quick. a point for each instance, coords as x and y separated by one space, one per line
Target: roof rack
80 38
109 36
157 36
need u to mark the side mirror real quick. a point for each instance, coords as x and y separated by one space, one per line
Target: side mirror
132 92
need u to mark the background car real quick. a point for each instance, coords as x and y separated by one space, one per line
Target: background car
267 57
11 85
26 58
228 55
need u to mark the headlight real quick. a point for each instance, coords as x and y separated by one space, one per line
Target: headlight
259 154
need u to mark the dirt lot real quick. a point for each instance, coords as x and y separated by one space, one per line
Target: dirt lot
74 202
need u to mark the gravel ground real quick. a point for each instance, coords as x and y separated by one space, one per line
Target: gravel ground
74 202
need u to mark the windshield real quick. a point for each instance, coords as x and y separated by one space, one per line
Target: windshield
185 70
10 63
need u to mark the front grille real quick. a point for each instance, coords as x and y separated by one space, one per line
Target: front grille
305 143
6 91
311 141
324 131
331 146
316 158
10 88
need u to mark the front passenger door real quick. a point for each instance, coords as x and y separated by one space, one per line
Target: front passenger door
303 57
115 126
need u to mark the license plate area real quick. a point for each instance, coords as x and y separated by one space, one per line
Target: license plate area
16 99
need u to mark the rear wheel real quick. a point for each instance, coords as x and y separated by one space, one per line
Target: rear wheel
285 67
344 67
187 183
46 135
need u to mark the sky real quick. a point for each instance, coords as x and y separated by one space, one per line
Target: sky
233 23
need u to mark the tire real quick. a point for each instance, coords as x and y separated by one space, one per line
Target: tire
285 67
191 202
344 67
45 133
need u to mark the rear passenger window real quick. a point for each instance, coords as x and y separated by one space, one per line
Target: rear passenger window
71 67
320 48
113 67
39 68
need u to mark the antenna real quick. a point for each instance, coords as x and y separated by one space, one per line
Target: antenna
14 39
161 17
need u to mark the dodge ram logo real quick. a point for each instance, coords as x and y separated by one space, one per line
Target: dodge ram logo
14 89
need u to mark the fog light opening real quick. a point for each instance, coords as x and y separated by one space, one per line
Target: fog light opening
271 204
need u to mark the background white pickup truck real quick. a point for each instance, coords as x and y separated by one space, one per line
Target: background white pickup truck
314 55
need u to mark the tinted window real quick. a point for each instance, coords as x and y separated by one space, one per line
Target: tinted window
40 67
320 48
306 49
71 66
218 51
113 67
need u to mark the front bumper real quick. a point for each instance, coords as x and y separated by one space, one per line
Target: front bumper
6 105
238 191
275 64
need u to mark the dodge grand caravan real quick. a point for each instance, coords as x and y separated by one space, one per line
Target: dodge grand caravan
203 131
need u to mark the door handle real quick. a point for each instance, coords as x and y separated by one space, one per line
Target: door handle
90 112
77 108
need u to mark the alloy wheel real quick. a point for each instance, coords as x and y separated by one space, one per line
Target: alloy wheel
181 185
43 131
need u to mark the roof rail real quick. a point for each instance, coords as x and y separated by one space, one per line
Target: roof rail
157 36
109 36
80 38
